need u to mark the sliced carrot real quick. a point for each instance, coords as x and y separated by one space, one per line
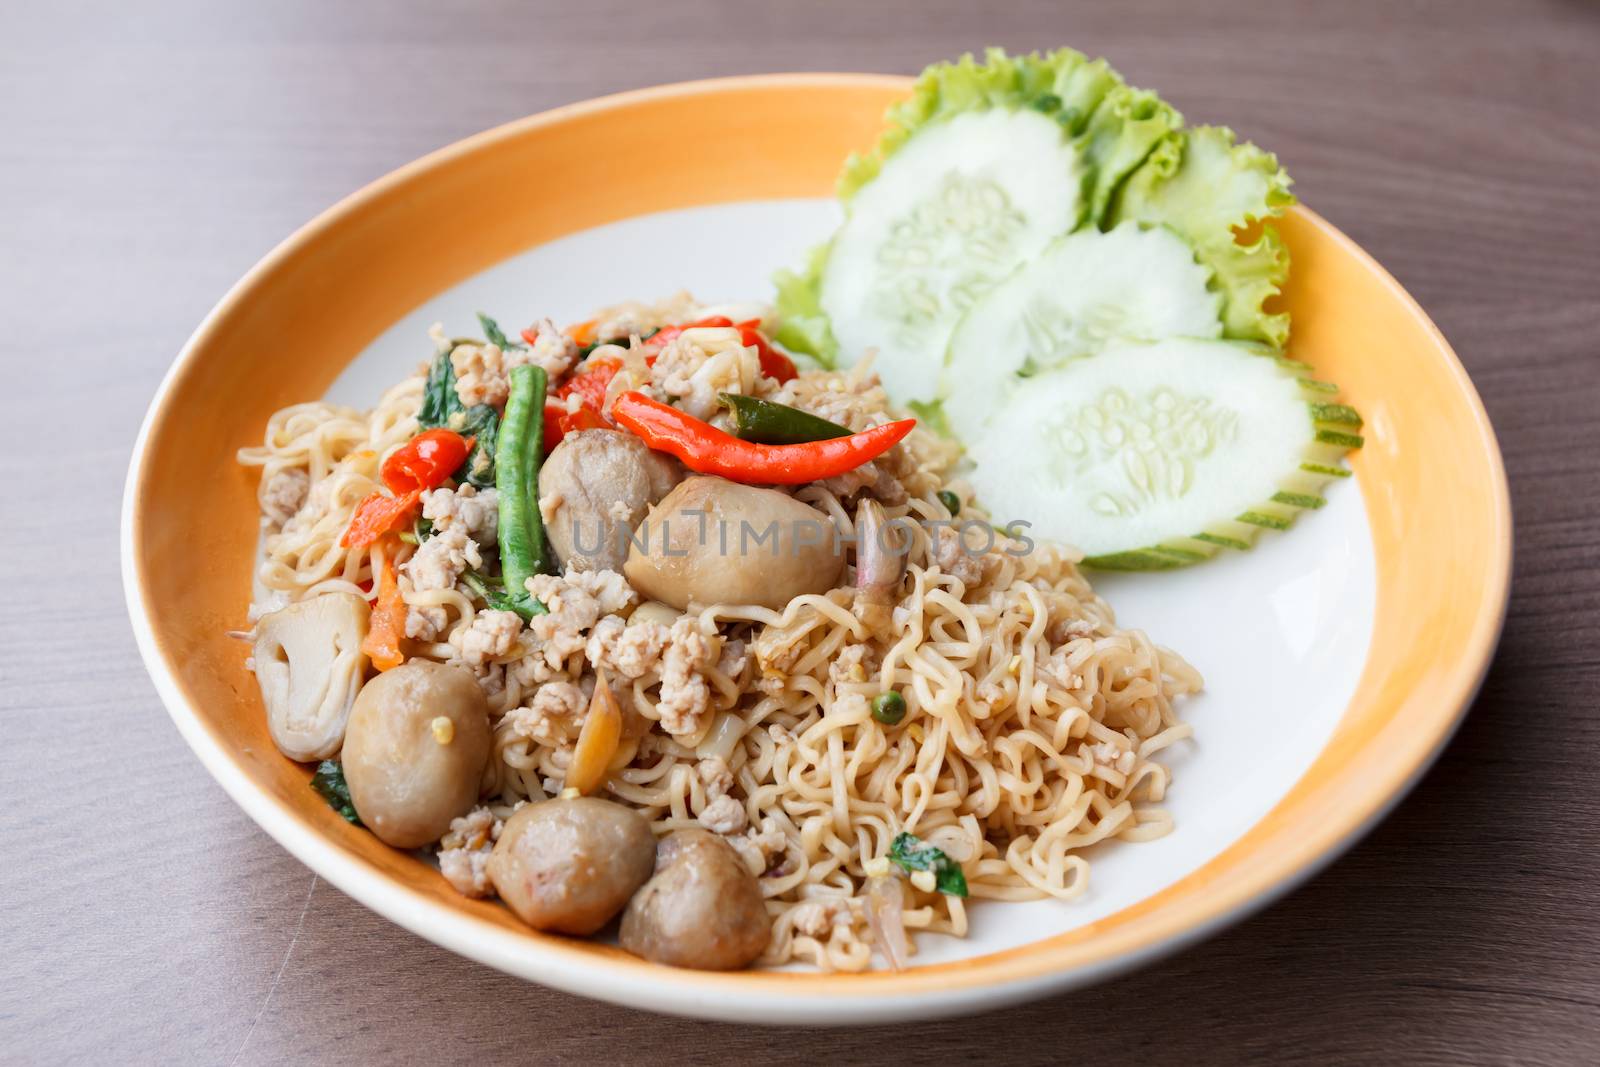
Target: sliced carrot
583 332
387 626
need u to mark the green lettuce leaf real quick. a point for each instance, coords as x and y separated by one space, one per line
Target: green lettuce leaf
1122 132
802 324
1206 187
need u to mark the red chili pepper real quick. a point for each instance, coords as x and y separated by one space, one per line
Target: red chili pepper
774 364
707 450
420 464
558 422
590 382
425 461
377 515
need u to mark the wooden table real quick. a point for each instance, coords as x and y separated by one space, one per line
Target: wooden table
152 153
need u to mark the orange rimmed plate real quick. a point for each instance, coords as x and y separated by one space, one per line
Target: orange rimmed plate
1339 658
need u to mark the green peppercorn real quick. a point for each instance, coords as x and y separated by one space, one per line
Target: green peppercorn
951 502
889 708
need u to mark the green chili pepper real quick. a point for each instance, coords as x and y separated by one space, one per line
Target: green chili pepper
516 462
889 708
951 502
768 423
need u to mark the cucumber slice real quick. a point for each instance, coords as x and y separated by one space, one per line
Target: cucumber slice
949 215
1150 456
1087 290
978 170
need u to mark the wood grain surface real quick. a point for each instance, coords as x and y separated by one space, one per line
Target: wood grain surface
150 153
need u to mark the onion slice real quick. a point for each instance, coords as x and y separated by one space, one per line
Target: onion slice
597 741
722 739
879 567
886 919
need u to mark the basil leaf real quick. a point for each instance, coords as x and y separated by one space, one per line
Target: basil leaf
497 336
914 855
442 409
330 786
482 423
439 399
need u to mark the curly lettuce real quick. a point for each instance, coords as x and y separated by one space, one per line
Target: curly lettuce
1210 189
802 324
1122 132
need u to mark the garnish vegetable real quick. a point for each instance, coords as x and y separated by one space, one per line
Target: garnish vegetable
912 854
889 707
1206 188
1171 237
425 462
977 172
522 544
497 336
329 783
770 423
442 409
1149 456
387 625
1085 291
705 449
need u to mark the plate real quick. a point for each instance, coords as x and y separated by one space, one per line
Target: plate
1338 659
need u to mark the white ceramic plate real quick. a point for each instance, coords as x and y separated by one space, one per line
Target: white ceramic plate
1338 657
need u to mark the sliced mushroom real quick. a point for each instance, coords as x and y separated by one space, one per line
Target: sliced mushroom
714 541
594 490
309 664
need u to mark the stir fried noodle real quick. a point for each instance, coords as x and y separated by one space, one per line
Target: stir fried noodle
1033 723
